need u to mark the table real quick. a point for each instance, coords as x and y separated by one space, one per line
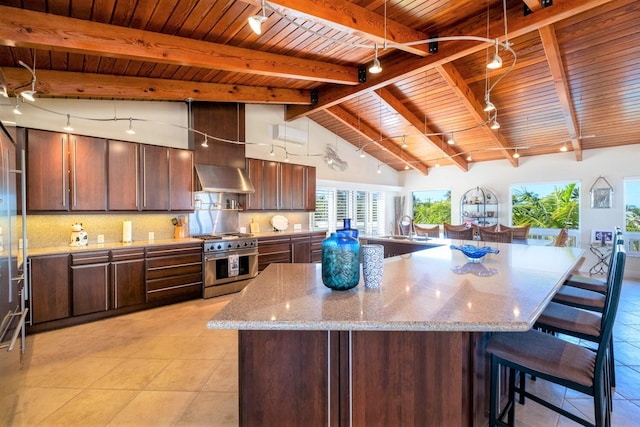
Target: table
602 254
411 353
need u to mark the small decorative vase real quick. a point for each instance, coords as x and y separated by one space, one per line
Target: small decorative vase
346 226
340 261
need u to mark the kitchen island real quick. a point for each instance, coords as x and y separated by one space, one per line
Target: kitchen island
410 353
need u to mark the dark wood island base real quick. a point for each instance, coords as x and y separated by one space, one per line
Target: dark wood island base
362 378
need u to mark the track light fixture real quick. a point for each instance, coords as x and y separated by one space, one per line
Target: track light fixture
564 147
451 141
494 124
256 21
286 157
205 143
437 163
489 105
16 109
272 153
379 170
406 167
375 67
68 127
362 153
29 94
516 155
404 141
496 62
130 131
469 158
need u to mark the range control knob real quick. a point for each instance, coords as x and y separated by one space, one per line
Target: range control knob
219 246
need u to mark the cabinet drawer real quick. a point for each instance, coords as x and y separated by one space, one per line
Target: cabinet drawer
274 248
177 293
173 281
85 258
126 254
173 250
174 270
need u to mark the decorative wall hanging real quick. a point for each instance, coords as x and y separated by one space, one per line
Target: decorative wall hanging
601 193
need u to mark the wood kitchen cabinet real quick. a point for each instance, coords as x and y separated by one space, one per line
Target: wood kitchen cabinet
281 186
300 248
181 180
88 169
89 282
127 271
155 178
65 172
50 293
273 249
47 171
123 176
174 272
316 245
254 168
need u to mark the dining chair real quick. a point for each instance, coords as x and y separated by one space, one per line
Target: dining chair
505 236
561 238
553 359
458 233
592 283
519 233
427 231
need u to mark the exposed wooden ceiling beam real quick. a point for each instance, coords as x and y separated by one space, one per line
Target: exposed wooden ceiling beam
25 28
456 82
373 136
354 19
85 85
556 65
395 104
447 52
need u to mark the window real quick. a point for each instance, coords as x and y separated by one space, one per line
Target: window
431 207
547 208
365 208
632 214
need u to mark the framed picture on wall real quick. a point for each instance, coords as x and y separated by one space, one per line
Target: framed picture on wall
601 236
601 198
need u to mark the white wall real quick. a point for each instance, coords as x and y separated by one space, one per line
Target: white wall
612 163
158 123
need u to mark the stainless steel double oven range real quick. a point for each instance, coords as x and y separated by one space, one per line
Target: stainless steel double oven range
230 262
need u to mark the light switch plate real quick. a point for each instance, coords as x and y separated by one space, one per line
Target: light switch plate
152 235
100 238
297 226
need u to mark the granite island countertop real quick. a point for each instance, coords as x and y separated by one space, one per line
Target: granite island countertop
430 290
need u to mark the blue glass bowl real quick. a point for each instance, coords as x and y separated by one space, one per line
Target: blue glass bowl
474 253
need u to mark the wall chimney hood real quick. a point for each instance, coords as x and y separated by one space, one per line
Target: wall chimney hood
223 179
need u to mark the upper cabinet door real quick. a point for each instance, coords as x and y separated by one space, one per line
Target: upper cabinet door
181 179
254 168
310 188
155 178
286 187
88 173
270 186
298 187
124 176
47 171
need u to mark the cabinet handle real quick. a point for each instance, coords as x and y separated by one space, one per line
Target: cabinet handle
75 181
106 287
144 181
64 168
137 179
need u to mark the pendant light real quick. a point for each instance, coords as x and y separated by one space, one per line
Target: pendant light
16 109
376 68
68 127
130 131
256 21
496 62
29 94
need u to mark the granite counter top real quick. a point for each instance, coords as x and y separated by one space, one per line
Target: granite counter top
431 290
56 250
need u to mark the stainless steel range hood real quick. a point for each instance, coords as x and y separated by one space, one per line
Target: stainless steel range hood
223 179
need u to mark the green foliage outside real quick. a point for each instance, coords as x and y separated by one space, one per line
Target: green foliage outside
633 218
432 212
559 209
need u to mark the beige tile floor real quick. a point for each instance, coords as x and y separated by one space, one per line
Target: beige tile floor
162 367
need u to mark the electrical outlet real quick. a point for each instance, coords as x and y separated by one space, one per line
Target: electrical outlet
152 235
100 238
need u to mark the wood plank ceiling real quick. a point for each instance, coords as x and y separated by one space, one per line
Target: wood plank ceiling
575 82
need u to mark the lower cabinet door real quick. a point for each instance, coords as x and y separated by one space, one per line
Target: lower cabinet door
90 284
128 283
